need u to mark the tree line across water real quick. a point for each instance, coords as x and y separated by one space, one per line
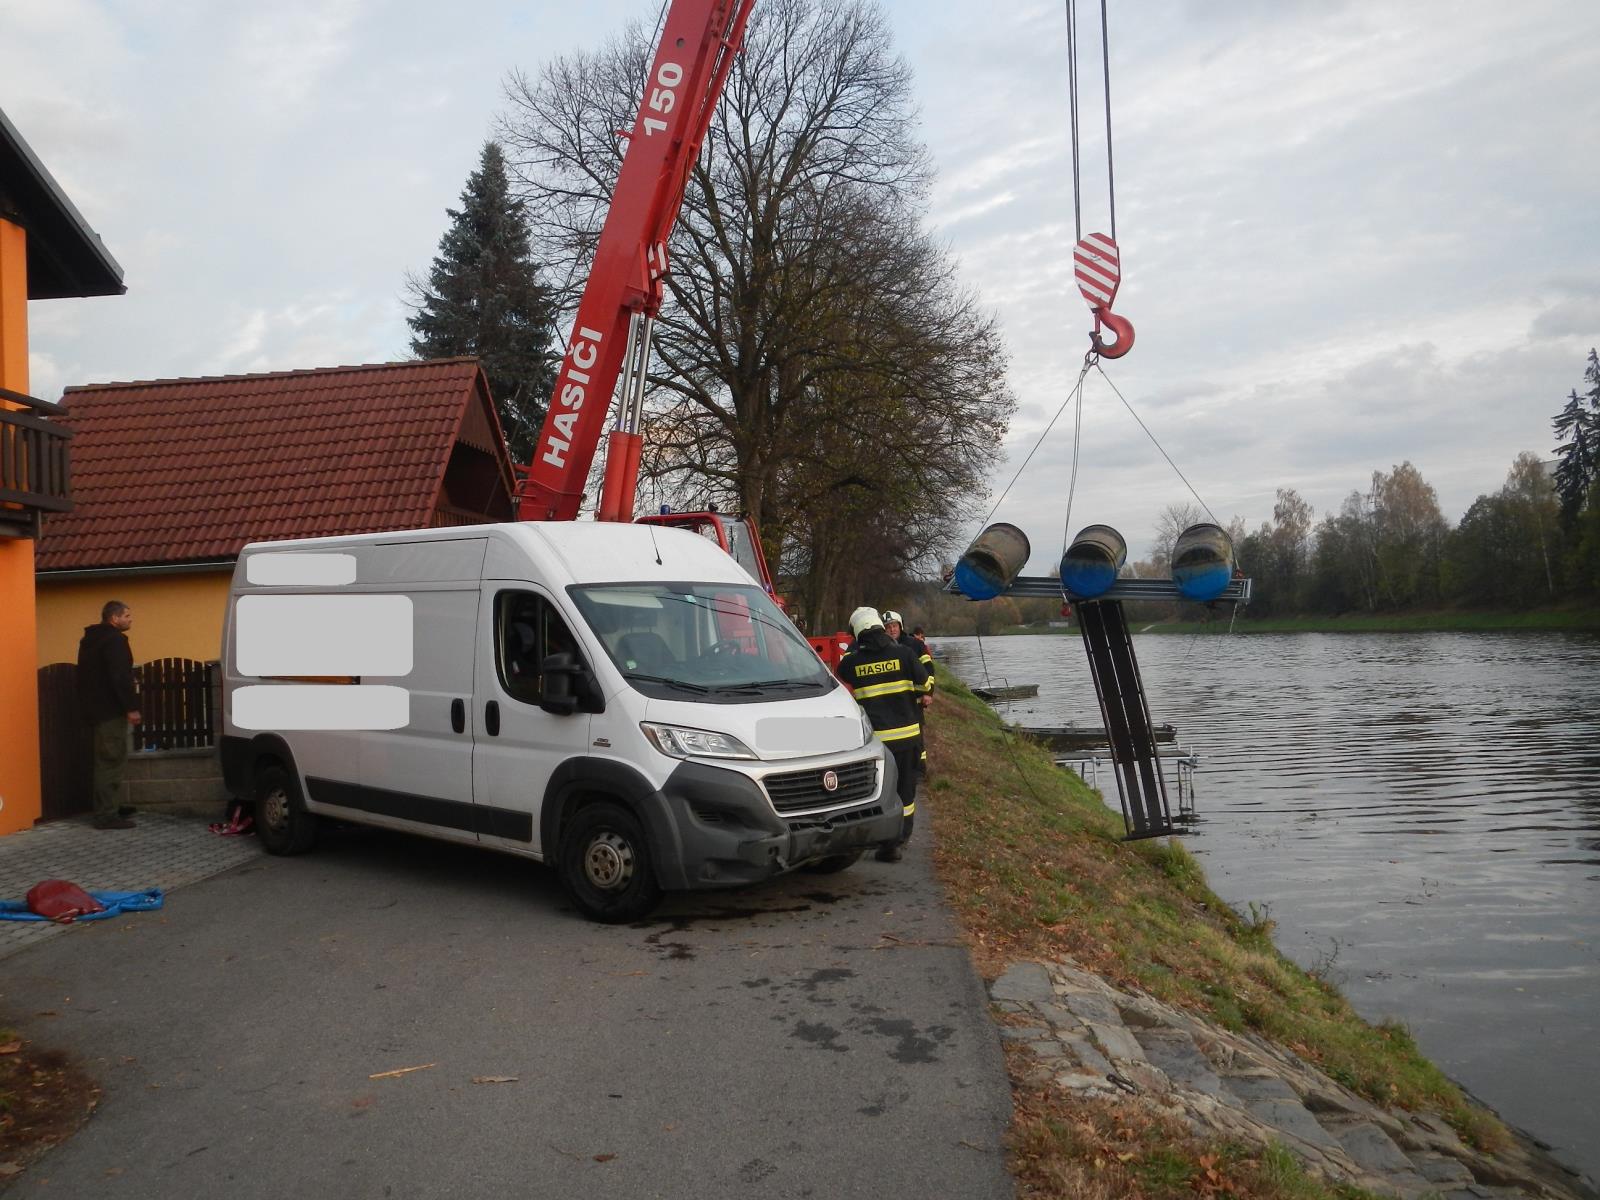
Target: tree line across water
1532 544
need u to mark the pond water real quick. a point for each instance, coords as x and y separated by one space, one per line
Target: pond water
1420 813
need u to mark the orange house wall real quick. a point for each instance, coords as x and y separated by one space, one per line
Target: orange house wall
174 616
19 690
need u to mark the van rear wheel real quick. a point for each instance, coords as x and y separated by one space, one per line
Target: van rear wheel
606 866
282 822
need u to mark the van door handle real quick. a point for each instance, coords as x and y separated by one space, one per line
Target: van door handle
491 718
458 715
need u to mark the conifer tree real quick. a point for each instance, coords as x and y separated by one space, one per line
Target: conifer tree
1578 428
484 297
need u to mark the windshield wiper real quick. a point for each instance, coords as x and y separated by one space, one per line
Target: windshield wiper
680 684
784 683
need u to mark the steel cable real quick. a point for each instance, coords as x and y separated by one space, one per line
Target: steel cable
1158 445
1072 124
1076 390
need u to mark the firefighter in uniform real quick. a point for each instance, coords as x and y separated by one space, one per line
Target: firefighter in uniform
891 686
896 629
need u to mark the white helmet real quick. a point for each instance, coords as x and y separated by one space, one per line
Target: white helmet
891 615
863 619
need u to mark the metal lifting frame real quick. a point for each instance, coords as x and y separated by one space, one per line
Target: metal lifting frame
1141 786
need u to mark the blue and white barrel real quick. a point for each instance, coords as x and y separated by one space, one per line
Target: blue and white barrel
1091 564
995 558
1202 562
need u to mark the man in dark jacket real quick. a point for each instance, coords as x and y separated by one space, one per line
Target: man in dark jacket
888 682
108 702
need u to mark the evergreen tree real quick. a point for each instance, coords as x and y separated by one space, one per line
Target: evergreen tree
1578 429
484 297
1584 565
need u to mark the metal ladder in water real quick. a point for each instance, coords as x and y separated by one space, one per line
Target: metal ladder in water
1141 786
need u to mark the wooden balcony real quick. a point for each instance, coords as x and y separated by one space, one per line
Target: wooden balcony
35 477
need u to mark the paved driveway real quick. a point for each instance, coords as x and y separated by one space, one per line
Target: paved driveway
821 1036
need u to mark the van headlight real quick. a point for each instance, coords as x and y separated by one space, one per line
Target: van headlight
677 742
866 729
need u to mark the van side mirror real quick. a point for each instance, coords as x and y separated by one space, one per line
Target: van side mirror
568 686
556 692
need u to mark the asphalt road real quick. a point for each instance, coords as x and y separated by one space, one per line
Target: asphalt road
818 1036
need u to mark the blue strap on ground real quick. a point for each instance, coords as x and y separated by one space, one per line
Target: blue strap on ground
115 902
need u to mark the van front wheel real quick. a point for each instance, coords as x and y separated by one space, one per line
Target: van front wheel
606 866
282 822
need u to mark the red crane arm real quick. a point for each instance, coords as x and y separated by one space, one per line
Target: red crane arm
698 41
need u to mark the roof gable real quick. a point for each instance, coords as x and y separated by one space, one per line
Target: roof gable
185 470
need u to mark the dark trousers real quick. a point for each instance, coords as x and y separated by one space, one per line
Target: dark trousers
922 741
110 756
907 764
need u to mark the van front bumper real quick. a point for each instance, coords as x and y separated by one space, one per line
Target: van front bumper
722 831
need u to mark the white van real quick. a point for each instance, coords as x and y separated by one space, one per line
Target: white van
620 701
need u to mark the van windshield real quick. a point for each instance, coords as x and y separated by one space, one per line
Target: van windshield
723 642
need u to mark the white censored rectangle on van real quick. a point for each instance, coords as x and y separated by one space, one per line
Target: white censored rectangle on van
276 569
808 735
280 706
323 635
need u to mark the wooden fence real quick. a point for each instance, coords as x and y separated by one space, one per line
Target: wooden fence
176 704
66 752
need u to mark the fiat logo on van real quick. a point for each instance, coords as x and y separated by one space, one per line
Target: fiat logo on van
830 781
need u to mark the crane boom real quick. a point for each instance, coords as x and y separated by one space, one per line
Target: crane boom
611 332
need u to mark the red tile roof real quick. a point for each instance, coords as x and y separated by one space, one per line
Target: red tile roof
189 470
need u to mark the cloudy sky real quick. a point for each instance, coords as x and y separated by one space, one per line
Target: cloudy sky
1353 233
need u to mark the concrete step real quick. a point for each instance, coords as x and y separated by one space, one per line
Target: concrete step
207 794
175 764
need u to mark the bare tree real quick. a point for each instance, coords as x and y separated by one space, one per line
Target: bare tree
1170 522
817 363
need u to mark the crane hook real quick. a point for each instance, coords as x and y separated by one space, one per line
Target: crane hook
1120 326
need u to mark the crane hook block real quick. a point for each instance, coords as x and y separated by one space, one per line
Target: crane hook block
1120 326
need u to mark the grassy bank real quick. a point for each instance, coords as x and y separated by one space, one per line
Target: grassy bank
1434 622
1034 864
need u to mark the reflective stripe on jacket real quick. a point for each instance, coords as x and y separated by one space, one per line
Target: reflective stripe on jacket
887 680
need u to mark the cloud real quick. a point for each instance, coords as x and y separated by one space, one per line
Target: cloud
1574 315
1350 234
283 54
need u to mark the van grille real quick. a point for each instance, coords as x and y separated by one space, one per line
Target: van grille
802 791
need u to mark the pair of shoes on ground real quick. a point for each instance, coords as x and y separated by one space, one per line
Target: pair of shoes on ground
115 823
888 854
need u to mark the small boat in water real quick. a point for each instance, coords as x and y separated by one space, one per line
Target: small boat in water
1065 739
1020 691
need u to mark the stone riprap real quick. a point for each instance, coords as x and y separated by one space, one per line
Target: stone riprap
1095 1040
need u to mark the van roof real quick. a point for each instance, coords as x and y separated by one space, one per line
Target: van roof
585 551
614 552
